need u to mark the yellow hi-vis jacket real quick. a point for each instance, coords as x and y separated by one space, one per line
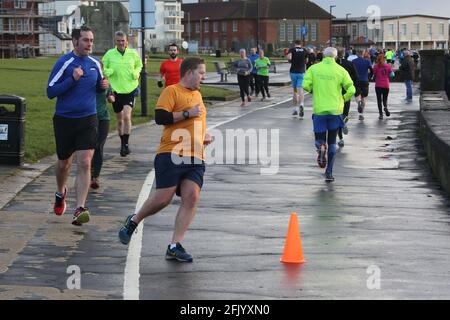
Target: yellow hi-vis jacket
325 81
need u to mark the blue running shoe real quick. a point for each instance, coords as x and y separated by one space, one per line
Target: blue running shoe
127 230
178 253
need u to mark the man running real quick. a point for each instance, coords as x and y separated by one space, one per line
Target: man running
297 56
326 81
252 78
170 68
123 66
74 81
363 66
179 166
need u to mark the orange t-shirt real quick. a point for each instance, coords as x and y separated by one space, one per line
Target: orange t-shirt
184 138
171 71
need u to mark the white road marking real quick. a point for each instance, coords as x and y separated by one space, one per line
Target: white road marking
132 275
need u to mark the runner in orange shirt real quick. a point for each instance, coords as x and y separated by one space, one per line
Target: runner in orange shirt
170 68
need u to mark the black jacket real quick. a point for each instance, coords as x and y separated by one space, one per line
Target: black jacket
408 68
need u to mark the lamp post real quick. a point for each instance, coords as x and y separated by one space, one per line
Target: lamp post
331 24
304 24
347 31
257 25
189 26
201 29
144 71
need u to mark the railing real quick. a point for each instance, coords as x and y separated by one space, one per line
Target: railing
173 28
173 14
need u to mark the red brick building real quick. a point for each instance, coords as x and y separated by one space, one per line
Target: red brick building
234 24
20 28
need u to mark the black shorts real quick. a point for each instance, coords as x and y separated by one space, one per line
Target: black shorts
123 99
362 88
170 174
74 134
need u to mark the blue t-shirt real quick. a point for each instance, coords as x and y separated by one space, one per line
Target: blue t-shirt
253 58
362 66
75 99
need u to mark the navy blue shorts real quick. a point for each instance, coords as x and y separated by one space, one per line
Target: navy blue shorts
169 173
327 123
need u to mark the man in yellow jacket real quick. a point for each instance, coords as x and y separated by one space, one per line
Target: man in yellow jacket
122 66
326 81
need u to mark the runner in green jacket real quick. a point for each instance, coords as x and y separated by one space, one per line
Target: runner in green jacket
123 66
326 81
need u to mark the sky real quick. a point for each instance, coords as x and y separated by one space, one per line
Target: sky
358 8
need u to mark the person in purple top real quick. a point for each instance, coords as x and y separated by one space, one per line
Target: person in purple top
74 81
363 66
382 71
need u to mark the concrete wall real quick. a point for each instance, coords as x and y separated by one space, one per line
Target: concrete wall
435 115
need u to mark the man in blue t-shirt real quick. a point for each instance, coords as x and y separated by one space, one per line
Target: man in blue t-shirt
298 57
254 88
74 81
363 66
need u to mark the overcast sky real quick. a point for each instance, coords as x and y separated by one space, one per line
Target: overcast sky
358 8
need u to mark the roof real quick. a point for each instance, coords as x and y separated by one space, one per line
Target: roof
269 9
382 18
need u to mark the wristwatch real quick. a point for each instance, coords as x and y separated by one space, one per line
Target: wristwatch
186 115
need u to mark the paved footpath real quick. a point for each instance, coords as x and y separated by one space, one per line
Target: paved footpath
385 213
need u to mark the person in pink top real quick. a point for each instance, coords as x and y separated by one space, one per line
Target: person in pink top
382 71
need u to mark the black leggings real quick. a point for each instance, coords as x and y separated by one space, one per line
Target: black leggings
382 95
345 115
243 86
253 83
97 160
330 139
263 84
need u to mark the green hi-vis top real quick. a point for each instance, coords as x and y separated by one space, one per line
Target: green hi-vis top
262 65
325 81
122 71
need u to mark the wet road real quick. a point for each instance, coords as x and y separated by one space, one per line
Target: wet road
380 231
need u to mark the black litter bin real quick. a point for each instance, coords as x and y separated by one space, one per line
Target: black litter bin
218 54
12 129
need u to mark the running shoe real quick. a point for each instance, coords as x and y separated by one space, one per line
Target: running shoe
301 112
360 106
386 111
322 155
80 216
178 253
295 111
329 177
341 143
94 184
127 230
380 116
60 203
361 117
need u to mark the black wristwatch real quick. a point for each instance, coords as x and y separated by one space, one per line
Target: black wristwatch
186 115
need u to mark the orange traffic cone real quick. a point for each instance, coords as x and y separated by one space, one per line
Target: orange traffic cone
293 252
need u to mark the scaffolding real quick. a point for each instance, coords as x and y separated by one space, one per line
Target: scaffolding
21 23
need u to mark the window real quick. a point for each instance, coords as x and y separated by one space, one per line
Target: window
235 26
290 32
19 25
429 29
224 26
20 4
441 29
282 31
403 29
216 27
197 27
313 31
206 27
416 28
298 31
391 29
1 24
354 31
365 30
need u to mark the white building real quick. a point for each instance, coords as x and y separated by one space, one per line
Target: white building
168 26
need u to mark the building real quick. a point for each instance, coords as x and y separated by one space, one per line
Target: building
272 24
168 25
407 31
20 27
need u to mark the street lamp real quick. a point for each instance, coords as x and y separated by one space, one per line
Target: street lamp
347 31
331 24
257 25
201 29
189 26
304 24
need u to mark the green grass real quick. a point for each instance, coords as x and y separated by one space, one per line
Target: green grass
28 78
